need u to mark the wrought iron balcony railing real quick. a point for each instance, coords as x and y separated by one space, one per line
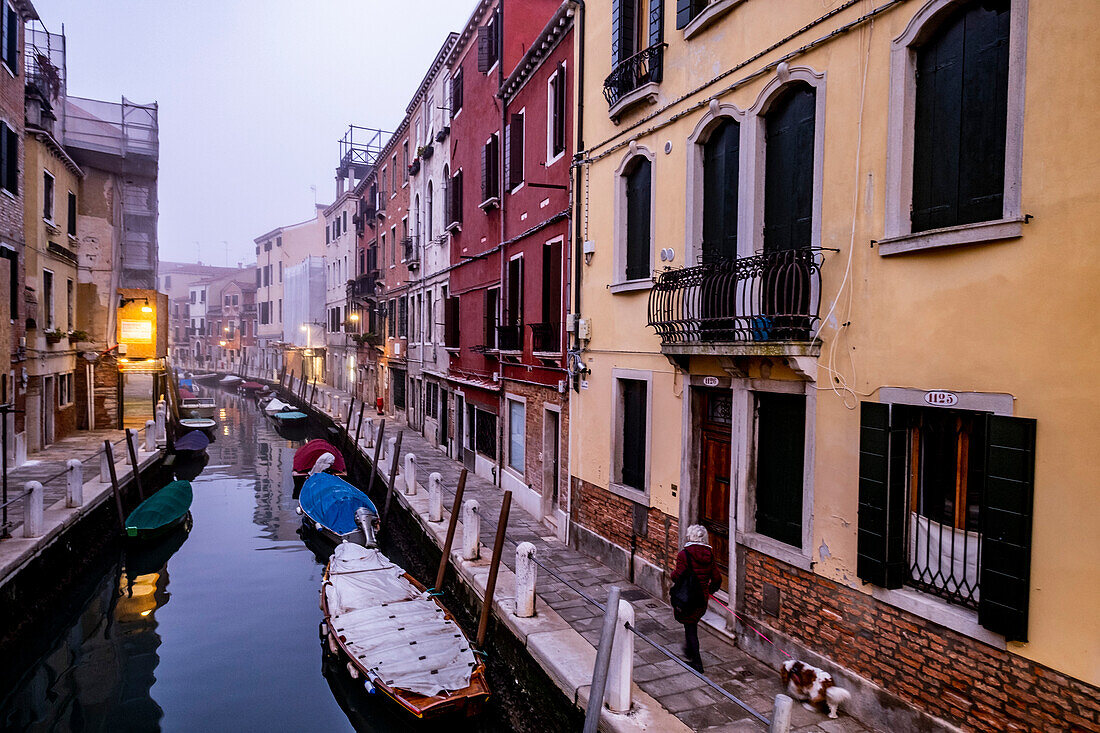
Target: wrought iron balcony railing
642 68
510 337
768 297
545 338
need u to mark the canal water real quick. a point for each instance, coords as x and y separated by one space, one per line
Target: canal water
216 628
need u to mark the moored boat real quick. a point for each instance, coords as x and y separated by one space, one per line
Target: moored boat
161 512
290 417
230 380
277 405
309 459
191 444
329 505
397 638
198 406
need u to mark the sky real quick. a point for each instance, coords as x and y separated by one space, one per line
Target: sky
253 97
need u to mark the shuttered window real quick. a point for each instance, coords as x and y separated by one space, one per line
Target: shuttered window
960 119
632 456
9 159
638 218
789 169
490 169
780 451
488 44
13 281
456 199
557 112
622 30
514 303
720 172
402 317
9 37
951 519
397 376
514 152
72 214
688 10
456 92
491 307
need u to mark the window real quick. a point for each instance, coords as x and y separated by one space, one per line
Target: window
72 226
393 176
517 429
280 310
456 92
513 156
789 169
780 451
555 111
64 389
720 180
382 246
69 304
47 298
9 38
488 44
492 307
632 437
638 213
202 295
490 169
451 321
429 334
391 320
228 300
945 503
344 221
405 159
429 213
9 154
12 257
547 337
455 206
511 336
47 196
259 280
403 317
397 377
484 431
431 406
280 271
393 245
960 119
637 41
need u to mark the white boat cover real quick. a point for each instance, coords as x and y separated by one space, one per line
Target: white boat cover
323 463
395 631
276 405
230 378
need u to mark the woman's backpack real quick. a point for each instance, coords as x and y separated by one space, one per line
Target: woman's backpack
686 593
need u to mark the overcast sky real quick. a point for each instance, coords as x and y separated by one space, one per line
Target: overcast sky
253 94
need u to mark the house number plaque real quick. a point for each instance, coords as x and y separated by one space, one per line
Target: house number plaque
710 381
940 398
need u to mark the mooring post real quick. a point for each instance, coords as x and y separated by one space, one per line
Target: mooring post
435 496
603 660
526 575
162 422
369 439
447 544
290 382
110 459
359 425
621 672
351 409
150 436
377 451
494 569
410 474
471 530
74 488
104 461
312 394
396 448
131 448
391 454
781 714
32 510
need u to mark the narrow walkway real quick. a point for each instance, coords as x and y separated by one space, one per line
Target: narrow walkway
699 707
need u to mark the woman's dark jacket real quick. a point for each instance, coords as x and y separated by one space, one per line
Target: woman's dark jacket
706 570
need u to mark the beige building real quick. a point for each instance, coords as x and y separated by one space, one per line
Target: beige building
833 257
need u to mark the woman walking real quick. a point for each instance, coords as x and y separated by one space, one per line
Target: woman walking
697 557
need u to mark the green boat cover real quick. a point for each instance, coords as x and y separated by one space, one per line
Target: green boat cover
161 509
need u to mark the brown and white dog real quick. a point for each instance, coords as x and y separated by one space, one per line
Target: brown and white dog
815 687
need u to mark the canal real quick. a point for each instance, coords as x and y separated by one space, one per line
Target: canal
215 629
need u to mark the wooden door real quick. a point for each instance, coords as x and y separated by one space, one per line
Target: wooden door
714 494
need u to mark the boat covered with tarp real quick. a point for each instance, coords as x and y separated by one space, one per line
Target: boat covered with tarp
161 512
277 405
309 459
250 386
329 504
230 379
397 637
195 441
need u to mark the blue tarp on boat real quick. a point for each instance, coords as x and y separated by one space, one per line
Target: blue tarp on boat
196 440
332 501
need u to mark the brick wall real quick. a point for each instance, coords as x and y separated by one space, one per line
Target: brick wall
612 517
537 397
942 672
105 382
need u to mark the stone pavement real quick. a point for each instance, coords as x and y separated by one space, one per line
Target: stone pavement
691 700
48 466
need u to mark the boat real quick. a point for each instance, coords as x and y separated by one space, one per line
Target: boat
250 386
186 394
329 505
397 638
204 377
277 405
198 423
290 417
191 444
309 460
161 512
230 379
198 406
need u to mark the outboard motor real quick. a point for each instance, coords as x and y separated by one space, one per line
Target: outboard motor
367 521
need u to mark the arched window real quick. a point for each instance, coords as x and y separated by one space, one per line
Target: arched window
789 169
416 216
720 172
639 180
960 118
429 212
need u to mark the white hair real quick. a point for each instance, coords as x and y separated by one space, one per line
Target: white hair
697 533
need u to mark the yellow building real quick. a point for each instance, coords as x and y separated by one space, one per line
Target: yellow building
52 181
837 261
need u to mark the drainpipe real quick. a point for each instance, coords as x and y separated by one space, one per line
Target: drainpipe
503 198
578 175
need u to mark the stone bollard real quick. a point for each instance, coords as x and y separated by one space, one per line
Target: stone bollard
369 437
781 714
105 461
471 530
32 510
410 474
150 436
131 436
162 423
74 489
526 575
621 670
435 497
391 454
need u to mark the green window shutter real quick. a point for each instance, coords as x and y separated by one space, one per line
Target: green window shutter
11 42
622 31
684 12
880 544
656 23
1005 575
11 162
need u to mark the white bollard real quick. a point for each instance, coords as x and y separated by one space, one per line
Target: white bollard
621 671
471 530
150 436
781 714
435 497
74 489
391 454
162 423
105 460
410 474
526 575
32 510
131 436
369 437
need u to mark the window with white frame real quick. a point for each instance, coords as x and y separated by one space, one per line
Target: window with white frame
634 210
555 114
631 402
517 434
47 195
64 389
47 298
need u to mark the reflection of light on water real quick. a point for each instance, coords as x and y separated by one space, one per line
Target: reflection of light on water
146 612
225 430
137 599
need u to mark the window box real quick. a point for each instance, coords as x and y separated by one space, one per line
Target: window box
414 167
53 337
425 151
443 133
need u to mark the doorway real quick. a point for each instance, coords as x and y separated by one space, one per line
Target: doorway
49 398
714 473
551 472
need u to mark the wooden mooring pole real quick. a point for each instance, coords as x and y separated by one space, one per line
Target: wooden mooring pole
377 452
130 441
450 531
494 568
393 477
114 483
359 425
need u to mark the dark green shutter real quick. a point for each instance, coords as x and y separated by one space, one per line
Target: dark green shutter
789 169
484 42
633 456
638 236
684 12
622 30
11 42
1006 526
11 172
880 544
720 177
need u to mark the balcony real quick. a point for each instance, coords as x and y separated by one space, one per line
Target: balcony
634 80
510 337
766 304
545 338
411 252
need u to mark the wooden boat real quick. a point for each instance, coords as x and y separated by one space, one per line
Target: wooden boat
397 638
198 406
205 377
332 508
290 417
198 423
306 457
161 512
250 387
229 380
190 445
